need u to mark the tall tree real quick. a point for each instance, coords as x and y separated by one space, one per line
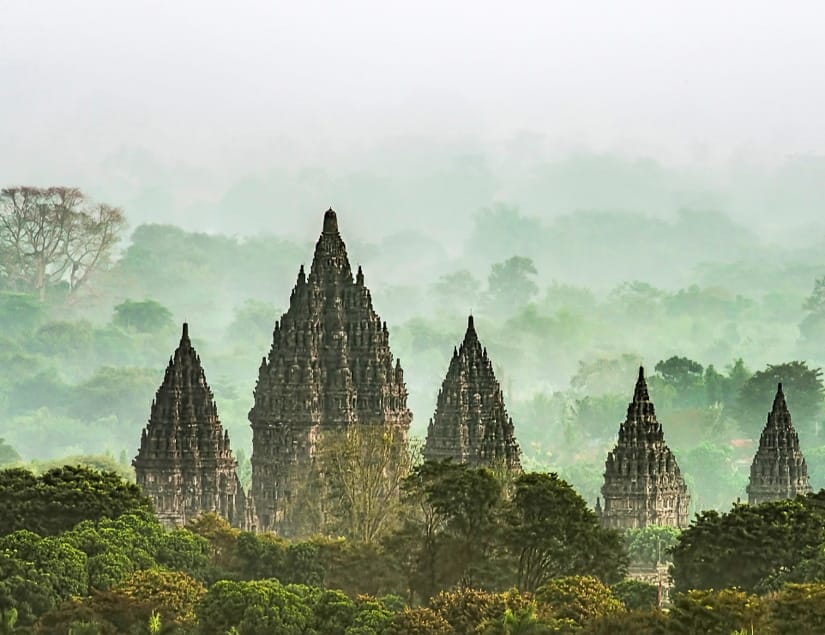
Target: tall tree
511 283
365 467
55 234
552 533
749 545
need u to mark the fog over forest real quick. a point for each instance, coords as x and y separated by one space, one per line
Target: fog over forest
601 185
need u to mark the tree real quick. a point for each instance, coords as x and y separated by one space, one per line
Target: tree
812 327
552 533
648 546
8 455
147 316
749 545
798 608
685 377
578 599
38 573
259 606
172 593
419 621
449 528
457 291
716 478
364 468
636 595
511 283
62 497
723 611
52 235
803 390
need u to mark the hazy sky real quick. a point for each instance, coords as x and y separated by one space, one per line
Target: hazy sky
219 90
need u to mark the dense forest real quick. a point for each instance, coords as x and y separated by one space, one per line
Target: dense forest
567 308
90 313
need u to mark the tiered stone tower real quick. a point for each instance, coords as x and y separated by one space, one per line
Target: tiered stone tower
778 470
185 464
471 424
642 482
329 367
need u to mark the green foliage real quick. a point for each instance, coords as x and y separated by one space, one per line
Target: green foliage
37 573
62 497
146 316
173 594
419 621
797 608
8 455
749 545
685 377
716 479
511 283
578 599
636 595
803 390
449 528
457 292
651 622
256 607
552 533
723 612
20 313
98 462
650 545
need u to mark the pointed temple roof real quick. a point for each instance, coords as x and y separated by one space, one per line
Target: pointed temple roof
471 424
642 482
778 470
185 445
330 366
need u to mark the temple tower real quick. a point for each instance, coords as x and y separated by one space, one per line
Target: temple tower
329 367
642 482
185 465
778 470
471 424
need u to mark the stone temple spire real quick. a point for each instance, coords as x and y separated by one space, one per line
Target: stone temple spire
642 482
185 464
471 424
329 367
778 470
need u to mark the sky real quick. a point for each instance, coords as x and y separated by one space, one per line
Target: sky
258 113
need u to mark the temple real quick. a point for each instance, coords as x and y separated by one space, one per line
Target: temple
642 482
329 367
471 424
778 470
185 465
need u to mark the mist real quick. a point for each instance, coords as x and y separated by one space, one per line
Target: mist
414 116
662 170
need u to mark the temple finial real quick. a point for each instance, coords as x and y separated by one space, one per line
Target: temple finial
185 332
330 222
641 394
779 402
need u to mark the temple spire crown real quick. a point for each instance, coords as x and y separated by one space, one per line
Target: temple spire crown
330 222
640 393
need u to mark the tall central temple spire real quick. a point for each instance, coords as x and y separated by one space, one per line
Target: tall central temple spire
329 367
778 470
642 482
471 424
